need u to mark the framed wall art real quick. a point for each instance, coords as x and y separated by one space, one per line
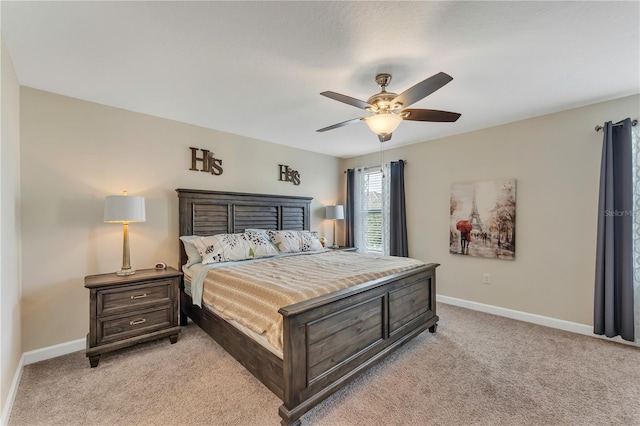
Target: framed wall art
483 219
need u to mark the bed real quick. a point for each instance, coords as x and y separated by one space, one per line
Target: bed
305 373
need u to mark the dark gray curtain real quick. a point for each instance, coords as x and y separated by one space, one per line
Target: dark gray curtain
398 214
349 218
613 302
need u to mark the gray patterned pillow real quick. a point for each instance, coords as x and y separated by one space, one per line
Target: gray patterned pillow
230 247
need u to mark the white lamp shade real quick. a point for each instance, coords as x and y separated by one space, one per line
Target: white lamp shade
123 208
335 212
384 123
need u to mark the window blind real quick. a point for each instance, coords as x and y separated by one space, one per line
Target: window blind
374 210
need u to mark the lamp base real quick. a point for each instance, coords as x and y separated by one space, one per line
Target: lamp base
125 272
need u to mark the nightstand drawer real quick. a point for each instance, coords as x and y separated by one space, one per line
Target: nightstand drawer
135 324
131 309
114 300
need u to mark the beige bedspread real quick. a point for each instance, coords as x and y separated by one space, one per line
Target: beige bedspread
252 294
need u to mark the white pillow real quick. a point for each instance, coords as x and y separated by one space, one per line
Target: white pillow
193 254
229 247
294 241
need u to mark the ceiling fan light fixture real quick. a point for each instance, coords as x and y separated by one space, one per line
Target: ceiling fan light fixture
383 123
386 108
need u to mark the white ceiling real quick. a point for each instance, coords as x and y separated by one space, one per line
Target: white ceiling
257 68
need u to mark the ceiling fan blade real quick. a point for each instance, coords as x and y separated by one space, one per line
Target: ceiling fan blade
385 137
347 100
430 115
344 123
422 89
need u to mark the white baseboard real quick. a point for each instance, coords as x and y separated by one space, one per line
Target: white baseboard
33 357
54 351
573 327
11 396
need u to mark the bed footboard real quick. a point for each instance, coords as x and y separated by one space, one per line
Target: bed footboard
330 340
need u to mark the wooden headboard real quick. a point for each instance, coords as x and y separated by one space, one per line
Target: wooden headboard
215 212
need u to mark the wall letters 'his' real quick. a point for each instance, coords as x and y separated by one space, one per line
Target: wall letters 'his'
210 164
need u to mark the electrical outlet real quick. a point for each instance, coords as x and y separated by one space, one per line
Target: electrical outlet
486 278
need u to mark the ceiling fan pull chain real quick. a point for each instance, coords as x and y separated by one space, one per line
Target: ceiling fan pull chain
382 158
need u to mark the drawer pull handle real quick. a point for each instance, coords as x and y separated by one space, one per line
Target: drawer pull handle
139 296
137 322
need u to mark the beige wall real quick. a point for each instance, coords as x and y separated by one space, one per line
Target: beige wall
10 340
556 161
74 153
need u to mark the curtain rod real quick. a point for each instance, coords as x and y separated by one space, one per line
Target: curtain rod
633 123
373 167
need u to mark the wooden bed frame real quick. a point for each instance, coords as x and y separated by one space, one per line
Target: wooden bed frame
328 340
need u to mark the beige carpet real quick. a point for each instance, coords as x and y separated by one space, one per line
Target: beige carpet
478 369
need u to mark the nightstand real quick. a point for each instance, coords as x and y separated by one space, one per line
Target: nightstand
124 311
343 248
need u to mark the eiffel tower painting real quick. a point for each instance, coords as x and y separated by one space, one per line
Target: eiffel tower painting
474 217
483 219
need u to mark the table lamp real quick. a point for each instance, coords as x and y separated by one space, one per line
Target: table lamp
124 209
335 213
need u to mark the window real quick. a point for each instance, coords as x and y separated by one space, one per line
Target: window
373 210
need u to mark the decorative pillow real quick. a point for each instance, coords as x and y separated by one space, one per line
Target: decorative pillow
228 247
294 241
312 239
260 243
260 231
193 254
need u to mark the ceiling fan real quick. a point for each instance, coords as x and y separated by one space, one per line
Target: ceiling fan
387 106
